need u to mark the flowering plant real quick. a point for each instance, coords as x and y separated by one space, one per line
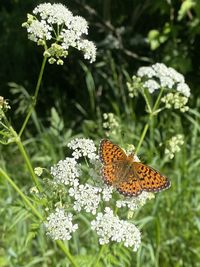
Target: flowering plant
55 28
84 192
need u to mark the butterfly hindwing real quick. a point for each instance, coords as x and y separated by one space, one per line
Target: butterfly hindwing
150 179
130 188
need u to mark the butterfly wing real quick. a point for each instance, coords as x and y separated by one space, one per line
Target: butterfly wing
130 186
111 156
150 180
110 153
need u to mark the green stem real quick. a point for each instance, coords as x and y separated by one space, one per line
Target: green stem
34 101
67 253
26 158
24 197
99 256
157 100
37 214
146 127
147 102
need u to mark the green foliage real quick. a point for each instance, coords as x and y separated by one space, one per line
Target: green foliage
72 101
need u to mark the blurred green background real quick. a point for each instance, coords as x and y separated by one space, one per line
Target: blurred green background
128 34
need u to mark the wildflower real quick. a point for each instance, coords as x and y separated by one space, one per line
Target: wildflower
107 193
175 100
66 172
110 228
151 85
173 145
34 190
83 148
59 225
4 104
160 76
55 28
135 86
38 171
86 197
110 124
136 202
146 71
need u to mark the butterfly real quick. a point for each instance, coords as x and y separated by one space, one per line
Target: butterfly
128 176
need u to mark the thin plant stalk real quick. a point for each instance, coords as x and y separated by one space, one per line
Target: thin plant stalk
34 101
96 263
23 196
152 113
37 214
26 158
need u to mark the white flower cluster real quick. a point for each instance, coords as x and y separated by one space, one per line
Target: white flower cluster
134 87
107 192
110 124
111 228
59 225
135 203
175 100
66 172
160 76
173 145
83 148
86 197
54 22
4 106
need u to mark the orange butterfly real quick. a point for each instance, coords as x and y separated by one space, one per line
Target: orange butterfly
129 177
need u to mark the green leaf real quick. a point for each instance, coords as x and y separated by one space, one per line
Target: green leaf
185 7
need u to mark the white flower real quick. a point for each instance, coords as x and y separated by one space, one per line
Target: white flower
111 124
146 71
176 100
151 85
111 228
160 76
86 197
166 82
54 13
79 25
184 89
160 69
69 38
107 193
57 25
88 48
66 172
59 225
173 145
175 75
83 147
39 30
135 203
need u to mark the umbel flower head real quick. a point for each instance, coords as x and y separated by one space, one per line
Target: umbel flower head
157 77
77 181
55 28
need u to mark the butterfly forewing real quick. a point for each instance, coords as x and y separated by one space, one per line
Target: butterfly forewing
110 153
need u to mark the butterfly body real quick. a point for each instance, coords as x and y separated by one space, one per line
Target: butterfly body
129 177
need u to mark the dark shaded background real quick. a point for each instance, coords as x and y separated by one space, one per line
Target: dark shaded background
120 30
